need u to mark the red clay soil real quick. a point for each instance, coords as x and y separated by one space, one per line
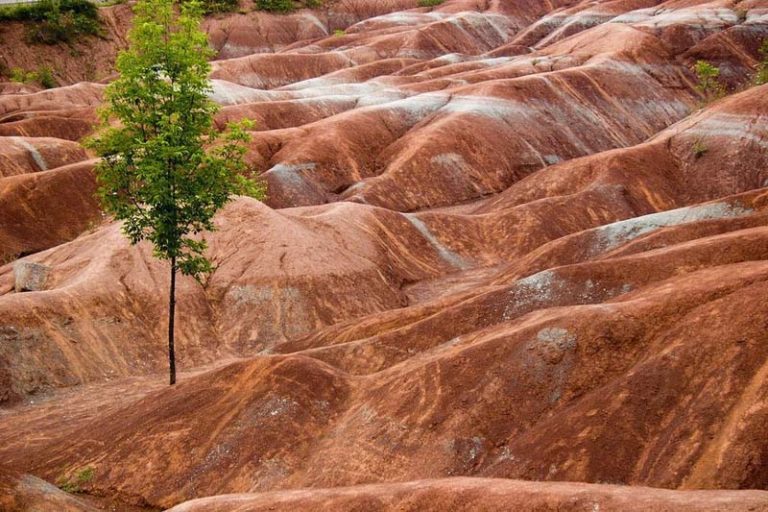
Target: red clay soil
481 495
60 204
510 260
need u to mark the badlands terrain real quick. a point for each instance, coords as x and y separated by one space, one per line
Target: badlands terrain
511 259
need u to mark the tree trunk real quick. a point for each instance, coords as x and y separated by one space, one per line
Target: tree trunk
171 315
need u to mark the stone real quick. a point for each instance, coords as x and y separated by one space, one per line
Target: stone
29 276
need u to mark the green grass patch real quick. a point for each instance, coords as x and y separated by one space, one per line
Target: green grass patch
275 5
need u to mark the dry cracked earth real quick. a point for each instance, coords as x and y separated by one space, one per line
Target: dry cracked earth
510 260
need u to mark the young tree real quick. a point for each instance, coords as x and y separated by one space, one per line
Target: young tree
165 170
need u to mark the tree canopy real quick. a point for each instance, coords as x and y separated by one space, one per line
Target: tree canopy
165 170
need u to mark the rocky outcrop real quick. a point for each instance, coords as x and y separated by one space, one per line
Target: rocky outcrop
30 277
24 493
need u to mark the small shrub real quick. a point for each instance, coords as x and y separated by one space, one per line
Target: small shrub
762 68
45 77
74 485
430 3
709 84
699 149
275 5
339 32
21 76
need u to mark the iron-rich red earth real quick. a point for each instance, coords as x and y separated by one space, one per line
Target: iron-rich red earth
511 259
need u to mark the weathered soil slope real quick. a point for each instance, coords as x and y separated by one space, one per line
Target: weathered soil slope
482 495
506 244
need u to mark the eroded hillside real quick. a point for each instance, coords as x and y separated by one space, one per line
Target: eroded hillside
506 240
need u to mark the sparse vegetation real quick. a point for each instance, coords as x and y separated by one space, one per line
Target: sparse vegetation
339 32
74 485
54 21
20 76
275 5
762 68
286 6
699 149
430 3
709 84
214 6
43 76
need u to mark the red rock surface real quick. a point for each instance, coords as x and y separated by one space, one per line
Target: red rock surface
505 245
26 492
